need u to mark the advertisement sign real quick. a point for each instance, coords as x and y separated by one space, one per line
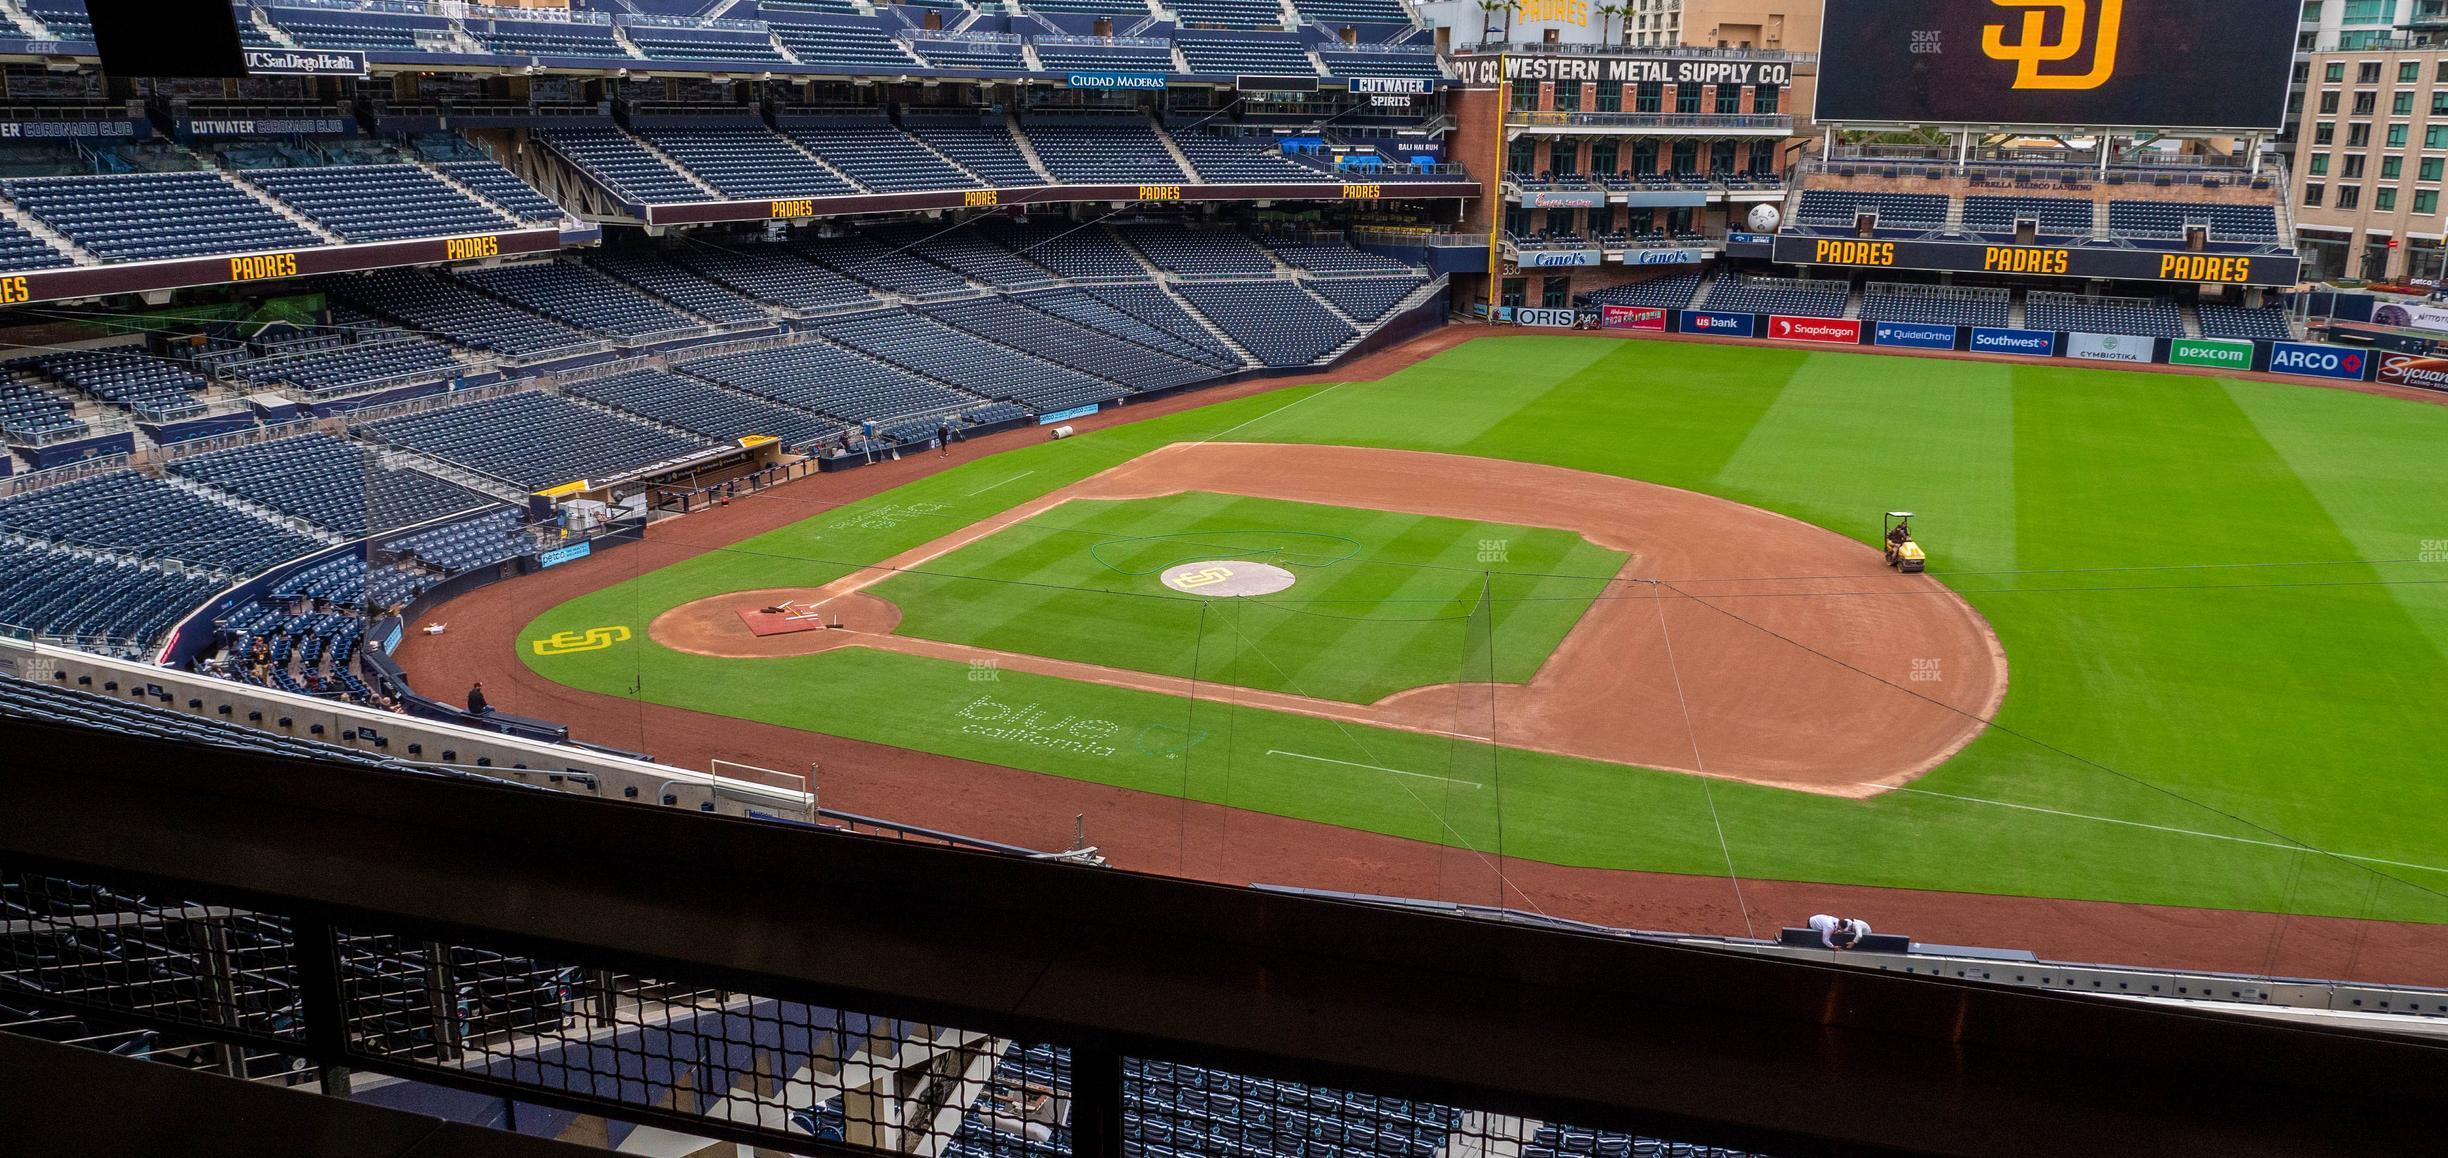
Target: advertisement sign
1559 258
61 130
2217 353
1751 238
2029 343
304 62
1631 68
2414 370
1913 335
2410 315
1117 81
1719 325
1563 199
2110 347
1665 256
1651 318
2312 360
1833 331
2050 260
1391 84
569 554
1068 415
2165 64
1275 83
1559 319
270 127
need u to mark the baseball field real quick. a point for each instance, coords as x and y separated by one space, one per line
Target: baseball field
1612 605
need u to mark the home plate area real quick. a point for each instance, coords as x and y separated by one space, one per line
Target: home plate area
1228 579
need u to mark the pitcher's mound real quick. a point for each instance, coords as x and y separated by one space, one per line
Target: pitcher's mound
1231 579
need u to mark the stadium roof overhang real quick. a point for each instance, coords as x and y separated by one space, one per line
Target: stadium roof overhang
1356 188
145 277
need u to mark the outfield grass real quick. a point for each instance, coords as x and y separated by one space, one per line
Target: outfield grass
2221 601
1384 602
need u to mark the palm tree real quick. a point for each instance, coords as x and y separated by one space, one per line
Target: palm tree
1609 13
1487 15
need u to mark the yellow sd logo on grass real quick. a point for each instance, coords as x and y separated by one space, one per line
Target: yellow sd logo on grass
572 642
1193 580
2036 49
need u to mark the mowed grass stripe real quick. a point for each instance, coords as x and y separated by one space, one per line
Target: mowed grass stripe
1356 628
2303 708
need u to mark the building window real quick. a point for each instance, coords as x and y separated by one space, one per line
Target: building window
2384 199
2350 197
2335 73
2358 136
2426 201
2320 164
2439 103
1729 100
1652 98
2367 72
1687 98
2313 193
2409 72
1610 98
2402 105
2366 103
2391 168
2435 137
1568 96
1763 157
2429 170
2324 133
2440 74
2354 167
1602 156
2329 103
1765 98
2397 136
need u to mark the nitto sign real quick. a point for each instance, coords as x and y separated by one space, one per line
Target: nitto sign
2308 360
1833 331
1720 325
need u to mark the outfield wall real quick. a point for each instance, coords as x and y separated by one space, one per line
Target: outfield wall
2311 360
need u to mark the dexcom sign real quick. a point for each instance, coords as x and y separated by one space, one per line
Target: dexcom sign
2308 360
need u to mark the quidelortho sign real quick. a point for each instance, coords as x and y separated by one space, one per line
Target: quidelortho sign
2216 353
2311 360
1913 335
2110 347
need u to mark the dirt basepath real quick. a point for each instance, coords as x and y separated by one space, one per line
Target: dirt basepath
1697 659
1159 834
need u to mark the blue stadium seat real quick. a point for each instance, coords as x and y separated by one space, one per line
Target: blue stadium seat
532 439
149 216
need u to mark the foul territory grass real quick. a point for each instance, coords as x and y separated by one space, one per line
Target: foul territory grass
1383 602
2222 601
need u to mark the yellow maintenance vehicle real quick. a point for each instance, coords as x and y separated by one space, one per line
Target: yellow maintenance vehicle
1903 553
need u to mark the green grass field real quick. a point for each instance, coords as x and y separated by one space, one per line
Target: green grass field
2224 603
1383 603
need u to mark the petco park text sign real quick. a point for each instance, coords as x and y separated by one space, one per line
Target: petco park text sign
2047 260
1833 331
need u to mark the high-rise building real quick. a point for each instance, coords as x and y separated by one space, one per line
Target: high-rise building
2371 163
